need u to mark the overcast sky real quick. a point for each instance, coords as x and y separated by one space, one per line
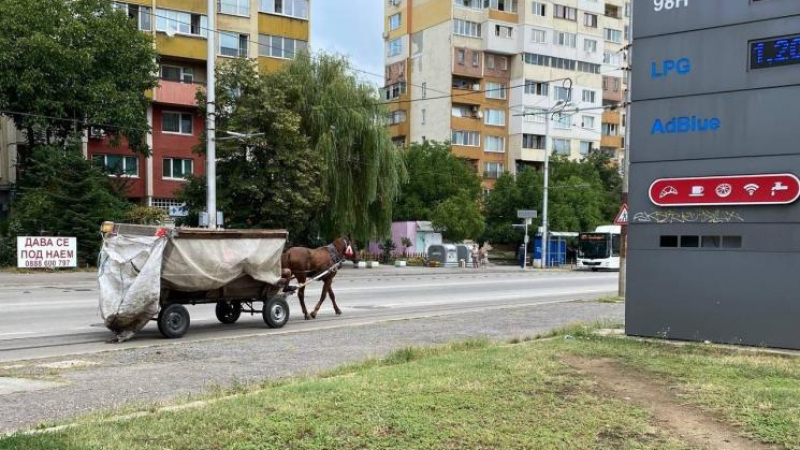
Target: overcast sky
353 28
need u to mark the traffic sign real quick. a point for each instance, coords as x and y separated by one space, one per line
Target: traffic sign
527 214
622 216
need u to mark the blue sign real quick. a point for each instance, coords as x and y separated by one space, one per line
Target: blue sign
777 52
682 125
681 67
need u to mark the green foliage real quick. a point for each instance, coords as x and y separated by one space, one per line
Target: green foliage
405 242
387 247
583 195
435 175
77 59
458 218
145 215
271 181
61 194
362 170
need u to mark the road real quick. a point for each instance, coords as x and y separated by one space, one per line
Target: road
47 316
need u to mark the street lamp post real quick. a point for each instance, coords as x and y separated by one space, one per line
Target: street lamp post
211 151
559 106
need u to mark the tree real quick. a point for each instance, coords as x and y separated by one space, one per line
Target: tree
458 218
435 175
67 64
270 181
62 194
343 119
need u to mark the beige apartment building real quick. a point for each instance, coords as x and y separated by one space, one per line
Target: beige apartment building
482 74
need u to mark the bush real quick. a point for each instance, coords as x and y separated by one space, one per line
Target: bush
146 215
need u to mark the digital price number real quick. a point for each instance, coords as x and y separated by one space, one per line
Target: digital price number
777 52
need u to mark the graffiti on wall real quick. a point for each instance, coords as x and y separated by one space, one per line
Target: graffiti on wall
698 215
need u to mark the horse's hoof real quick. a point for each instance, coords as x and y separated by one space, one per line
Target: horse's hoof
307 318
313 315
338 313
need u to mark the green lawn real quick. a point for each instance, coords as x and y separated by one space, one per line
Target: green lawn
473 395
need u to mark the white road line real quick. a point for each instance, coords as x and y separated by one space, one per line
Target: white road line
17 333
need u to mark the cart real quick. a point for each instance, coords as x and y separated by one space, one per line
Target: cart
152 274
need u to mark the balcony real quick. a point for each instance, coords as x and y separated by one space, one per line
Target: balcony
176 93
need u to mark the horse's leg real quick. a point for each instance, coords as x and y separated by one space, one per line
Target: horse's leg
301 295
333 299
325 288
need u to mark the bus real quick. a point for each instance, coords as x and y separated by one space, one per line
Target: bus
600 250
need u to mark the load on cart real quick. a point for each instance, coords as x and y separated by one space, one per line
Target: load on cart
151 273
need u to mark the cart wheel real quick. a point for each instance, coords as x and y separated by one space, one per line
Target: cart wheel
276 312
173 321
228 313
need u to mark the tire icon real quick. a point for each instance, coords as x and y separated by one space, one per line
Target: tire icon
724 190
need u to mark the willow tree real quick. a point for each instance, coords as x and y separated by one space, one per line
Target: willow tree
343 118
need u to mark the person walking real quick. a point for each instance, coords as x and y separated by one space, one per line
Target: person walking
475 256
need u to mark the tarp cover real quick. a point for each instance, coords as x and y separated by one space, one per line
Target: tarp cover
132 269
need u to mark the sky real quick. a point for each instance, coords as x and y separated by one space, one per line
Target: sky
353 28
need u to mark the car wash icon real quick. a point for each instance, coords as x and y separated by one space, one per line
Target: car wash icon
724 190
667 191
779 187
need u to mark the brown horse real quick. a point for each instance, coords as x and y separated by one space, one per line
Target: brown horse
305 263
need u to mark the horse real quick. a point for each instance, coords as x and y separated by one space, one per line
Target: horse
307 263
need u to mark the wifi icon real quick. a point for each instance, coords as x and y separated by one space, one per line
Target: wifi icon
752 188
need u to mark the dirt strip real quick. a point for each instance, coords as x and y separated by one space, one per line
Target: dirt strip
689 423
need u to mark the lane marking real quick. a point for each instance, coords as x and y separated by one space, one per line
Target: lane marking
17 333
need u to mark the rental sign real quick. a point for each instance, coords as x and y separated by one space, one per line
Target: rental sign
46 252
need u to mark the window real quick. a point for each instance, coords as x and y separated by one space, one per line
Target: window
117 165
496 91
177 22
472 4
235 7
669 242
536 88
690 241
466 138
490 62
395 47
395 20
424 90
562 121
475 61
423 116
279 46
562 93
470 111
493 169
466 28
177 168
586 147
292 8
539 9
565 39
533 141
612 35
609 129
397 117
535 115
561 63
495 144
233 44
394 91
503 63
612 58
461 56
176 73
588 122
538 36
495 117
590 46
711 242
589 96
501 5
590 20
731 242
141 14
503 31
562 146
565 12
175 122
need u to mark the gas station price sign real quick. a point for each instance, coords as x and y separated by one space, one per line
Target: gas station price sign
776 52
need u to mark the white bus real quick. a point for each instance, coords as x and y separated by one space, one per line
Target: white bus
600 250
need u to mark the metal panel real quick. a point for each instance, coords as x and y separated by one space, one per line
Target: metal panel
698 14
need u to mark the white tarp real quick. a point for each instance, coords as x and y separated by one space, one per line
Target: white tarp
132 269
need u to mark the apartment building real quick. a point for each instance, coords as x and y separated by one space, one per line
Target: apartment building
483 74
270 30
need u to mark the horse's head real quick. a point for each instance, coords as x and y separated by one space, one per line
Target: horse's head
346 248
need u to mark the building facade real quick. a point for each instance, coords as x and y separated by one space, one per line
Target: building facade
271 31
482 75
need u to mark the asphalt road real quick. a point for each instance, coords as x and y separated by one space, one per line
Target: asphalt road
55 315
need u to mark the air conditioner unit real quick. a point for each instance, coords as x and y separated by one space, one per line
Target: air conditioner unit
479 115
476 87
96 133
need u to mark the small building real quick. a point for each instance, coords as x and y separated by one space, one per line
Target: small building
420 233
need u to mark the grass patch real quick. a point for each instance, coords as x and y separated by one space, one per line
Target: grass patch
611 299
469 395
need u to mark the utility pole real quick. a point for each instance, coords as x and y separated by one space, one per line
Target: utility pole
211 111
546 186
623 245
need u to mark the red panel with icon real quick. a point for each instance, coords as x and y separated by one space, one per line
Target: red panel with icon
774 189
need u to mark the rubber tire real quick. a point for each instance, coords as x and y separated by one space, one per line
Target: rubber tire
595 269
173 321
276 311
228 313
